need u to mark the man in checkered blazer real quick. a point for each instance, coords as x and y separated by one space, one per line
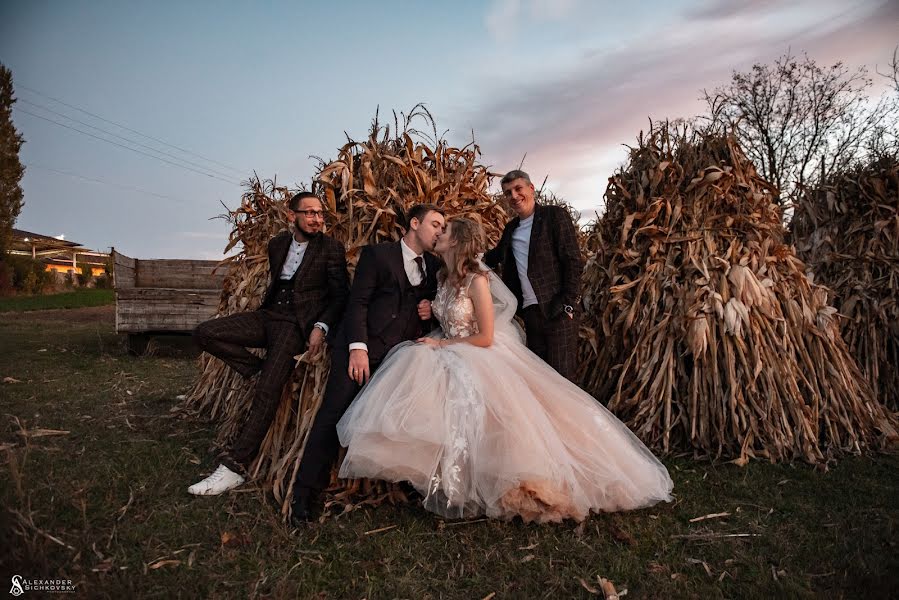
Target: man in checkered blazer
306 297
542 265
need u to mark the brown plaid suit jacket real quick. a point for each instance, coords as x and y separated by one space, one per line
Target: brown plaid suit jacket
554 259
321 287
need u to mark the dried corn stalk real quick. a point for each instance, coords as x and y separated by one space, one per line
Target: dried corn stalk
703 332
847 232
366 192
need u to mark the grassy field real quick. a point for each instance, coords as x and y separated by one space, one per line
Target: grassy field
95 463
74 299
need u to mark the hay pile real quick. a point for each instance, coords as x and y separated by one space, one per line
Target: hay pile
366 192
847 232
703 332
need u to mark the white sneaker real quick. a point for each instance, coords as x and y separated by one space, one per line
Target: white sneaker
222 480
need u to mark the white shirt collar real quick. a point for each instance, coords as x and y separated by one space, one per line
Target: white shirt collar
408 253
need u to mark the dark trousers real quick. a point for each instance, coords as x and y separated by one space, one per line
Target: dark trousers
228 338
555 341
323 444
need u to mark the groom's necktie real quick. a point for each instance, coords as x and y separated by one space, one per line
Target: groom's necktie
421 268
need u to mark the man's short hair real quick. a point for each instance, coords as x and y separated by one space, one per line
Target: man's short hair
419 211
513 175
299 197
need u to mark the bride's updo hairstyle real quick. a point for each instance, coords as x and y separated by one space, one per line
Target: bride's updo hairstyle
469 238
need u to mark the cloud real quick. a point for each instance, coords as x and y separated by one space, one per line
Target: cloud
505 16
551 10
203 235
572 119
501 14
722 9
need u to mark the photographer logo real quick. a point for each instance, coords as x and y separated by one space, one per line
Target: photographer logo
20 585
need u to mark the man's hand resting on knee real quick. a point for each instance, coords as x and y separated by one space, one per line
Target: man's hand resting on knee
358 370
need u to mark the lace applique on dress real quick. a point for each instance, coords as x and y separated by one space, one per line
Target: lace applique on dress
455 310
465 407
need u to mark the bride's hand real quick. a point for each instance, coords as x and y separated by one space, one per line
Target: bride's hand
429 341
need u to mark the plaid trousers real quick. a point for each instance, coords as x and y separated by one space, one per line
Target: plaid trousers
555 341
228 338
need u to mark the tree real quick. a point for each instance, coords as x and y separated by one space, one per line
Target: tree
892 73
11 169
799 122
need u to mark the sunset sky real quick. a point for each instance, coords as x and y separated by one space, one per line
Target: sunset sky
263 86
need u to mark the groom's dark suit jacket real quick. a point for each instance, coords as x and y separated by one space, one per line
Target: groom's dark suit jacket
321 284
382 312
554 259
383 307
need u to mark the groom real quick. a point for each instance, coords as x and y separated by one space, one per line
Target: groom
542 265
390 302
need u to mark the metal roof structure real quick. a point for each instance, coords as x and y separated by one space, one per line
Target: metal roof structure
53 250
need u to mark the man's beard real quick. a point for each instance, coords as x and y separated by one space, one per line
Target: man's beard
309 235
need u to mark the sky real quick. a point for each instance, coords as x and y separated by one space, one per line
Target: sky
225 89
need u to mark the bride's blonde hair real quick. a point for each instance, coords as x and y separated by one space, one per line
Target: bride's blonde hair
469 238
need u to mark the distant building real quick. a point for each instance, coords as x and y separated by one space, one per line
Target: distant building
60 256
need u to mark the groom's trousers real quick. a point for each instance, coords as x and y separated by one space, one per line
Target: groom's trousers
323 444
228 338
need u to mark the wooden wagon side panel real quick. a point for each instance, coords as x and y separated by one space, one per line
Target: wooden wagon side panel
164 295
123 271
179 274
141 310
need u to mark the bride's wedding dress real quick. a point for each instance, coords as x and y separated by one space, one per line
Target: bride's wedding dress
494 431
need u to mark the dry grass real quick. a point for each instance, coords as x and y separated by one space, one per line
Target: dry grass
105 506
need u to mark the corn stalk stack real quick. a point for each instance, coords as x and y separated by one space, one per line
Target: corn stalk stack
704 333
847 232
366 191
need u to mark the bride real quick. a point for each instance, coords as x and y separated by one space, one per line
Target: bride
479 425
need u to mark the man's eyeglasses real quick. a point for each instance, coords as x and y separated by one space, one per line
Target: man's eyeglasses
311 214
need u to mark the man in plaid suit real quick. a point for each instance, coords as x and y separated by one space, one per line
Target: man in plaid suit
542 265
306 297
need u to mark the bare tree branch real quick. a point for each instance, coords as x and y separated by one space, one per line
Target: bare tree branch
798 121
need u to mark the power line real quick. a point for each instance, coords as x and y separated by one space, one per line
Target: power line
96 116
174 164
109 183
129 140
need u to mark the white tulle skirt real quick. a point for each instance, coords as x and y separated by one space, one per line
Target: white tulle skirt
495 431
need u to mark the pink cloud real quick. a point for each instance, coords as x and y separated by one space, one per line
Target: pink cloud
570 125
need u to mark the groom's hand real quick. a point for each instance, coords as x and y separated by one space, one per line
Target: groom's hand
424 310
358 369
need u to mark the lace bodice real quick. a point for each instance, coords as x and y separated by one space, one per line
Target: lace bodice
454 309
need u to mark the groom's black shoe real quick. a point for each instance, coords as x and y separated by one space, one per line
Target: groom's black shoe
409 491
302 508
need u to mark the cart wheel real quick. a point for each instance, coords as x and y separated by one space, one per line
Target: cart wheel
137 343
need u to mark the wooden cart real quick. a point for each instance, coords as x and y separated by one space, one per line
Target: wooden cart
163 297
